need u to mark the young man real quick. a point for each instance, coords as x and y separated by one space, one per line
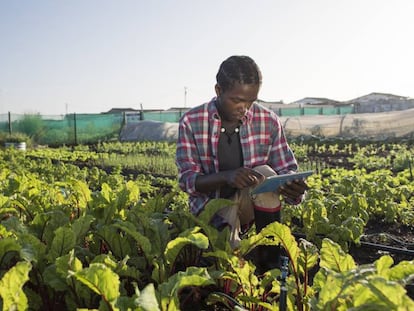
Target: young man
228 145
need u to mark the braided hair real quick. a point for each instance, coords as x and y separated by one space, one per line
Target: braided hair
241 69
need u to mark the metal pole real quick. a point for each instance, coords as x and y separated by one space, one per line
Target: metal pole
141 114
75 129
185 96
10 125
283 288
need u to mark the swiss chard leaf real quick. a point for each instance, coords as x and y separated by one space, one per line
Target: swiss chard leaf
63 242
11 287
102 280
168 291
191 236
334 258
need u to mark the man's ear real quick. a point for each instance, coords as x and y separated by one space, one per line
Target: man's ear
218 90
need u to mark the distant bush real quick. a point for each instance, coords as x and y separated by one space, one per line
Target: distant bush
15 137
31 125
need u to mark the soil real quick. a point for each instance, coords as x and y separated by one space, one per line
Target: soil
395 239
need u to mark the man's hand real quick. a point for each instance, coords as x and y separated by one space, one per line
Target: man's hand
240 178
243 177
294 189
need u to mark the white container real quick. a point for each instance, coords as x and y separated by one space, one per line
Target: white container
18 146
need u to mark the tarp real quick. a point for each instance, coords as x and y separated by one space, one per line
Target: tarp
149 131
366 125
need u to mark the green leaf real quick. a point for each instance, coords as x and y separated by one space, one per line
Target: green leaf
190 236
147 300
308 256
81 227
33 249
13 224
63 243
4 233
383 264
67 263
44 225
106 192
329 291
81 192
118 244
102 280
385 295
11 287
334 258
143 242
404 272
129 194
54 279
3 200
273 234
192 276
211 208
8 245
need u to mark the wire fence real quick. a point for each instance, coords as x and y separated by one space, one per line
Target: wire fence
61 129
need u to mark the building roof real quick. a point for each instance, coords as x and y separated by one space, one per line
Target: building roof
119 110
316 101
378 96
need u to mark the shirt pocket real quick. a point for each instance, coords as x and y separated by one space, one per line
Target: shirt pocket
262 152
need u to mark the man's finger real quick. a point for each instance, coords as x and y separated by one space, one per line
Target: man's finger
257 175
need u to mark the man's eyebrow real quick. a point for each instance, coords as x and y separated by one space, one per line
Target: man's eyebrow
243 99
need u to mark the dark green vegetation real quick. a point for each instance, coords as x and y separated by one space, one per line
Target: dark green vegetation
106 227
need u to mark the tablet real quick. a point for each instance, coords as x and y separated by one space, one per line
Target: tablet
273 183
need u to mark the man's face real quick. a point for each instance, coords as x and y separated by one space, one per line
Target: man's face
234 103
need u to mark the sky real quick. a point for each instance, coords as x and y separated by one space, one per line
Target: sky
88 56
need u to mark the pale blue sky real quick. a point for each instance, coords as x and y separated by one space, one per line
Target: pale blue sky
88 56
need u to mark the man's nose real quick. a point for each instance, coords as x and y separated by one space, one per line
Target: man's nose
242 108
245 106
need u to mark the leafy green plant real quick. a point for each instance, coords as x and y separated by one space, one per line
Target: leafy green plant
88 238
15 137
342 285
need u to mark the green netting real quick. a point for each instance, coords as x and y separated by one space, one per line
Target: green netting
64 129
290 112
163 116
86 128
4 126
312 111
346 109
329 110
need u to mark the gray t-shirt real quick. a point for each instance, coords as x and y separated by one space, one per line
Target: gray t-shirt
230 157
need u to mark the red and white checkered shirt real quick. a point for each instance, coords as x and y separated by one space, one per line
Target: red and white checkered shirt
261 136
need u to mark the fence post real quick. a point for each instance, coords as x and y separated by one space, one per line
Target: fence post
75 128
341 124
124 119
10 124
141 115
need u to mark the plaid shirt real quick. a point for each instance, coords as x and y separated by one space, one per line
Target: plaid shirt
261 136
